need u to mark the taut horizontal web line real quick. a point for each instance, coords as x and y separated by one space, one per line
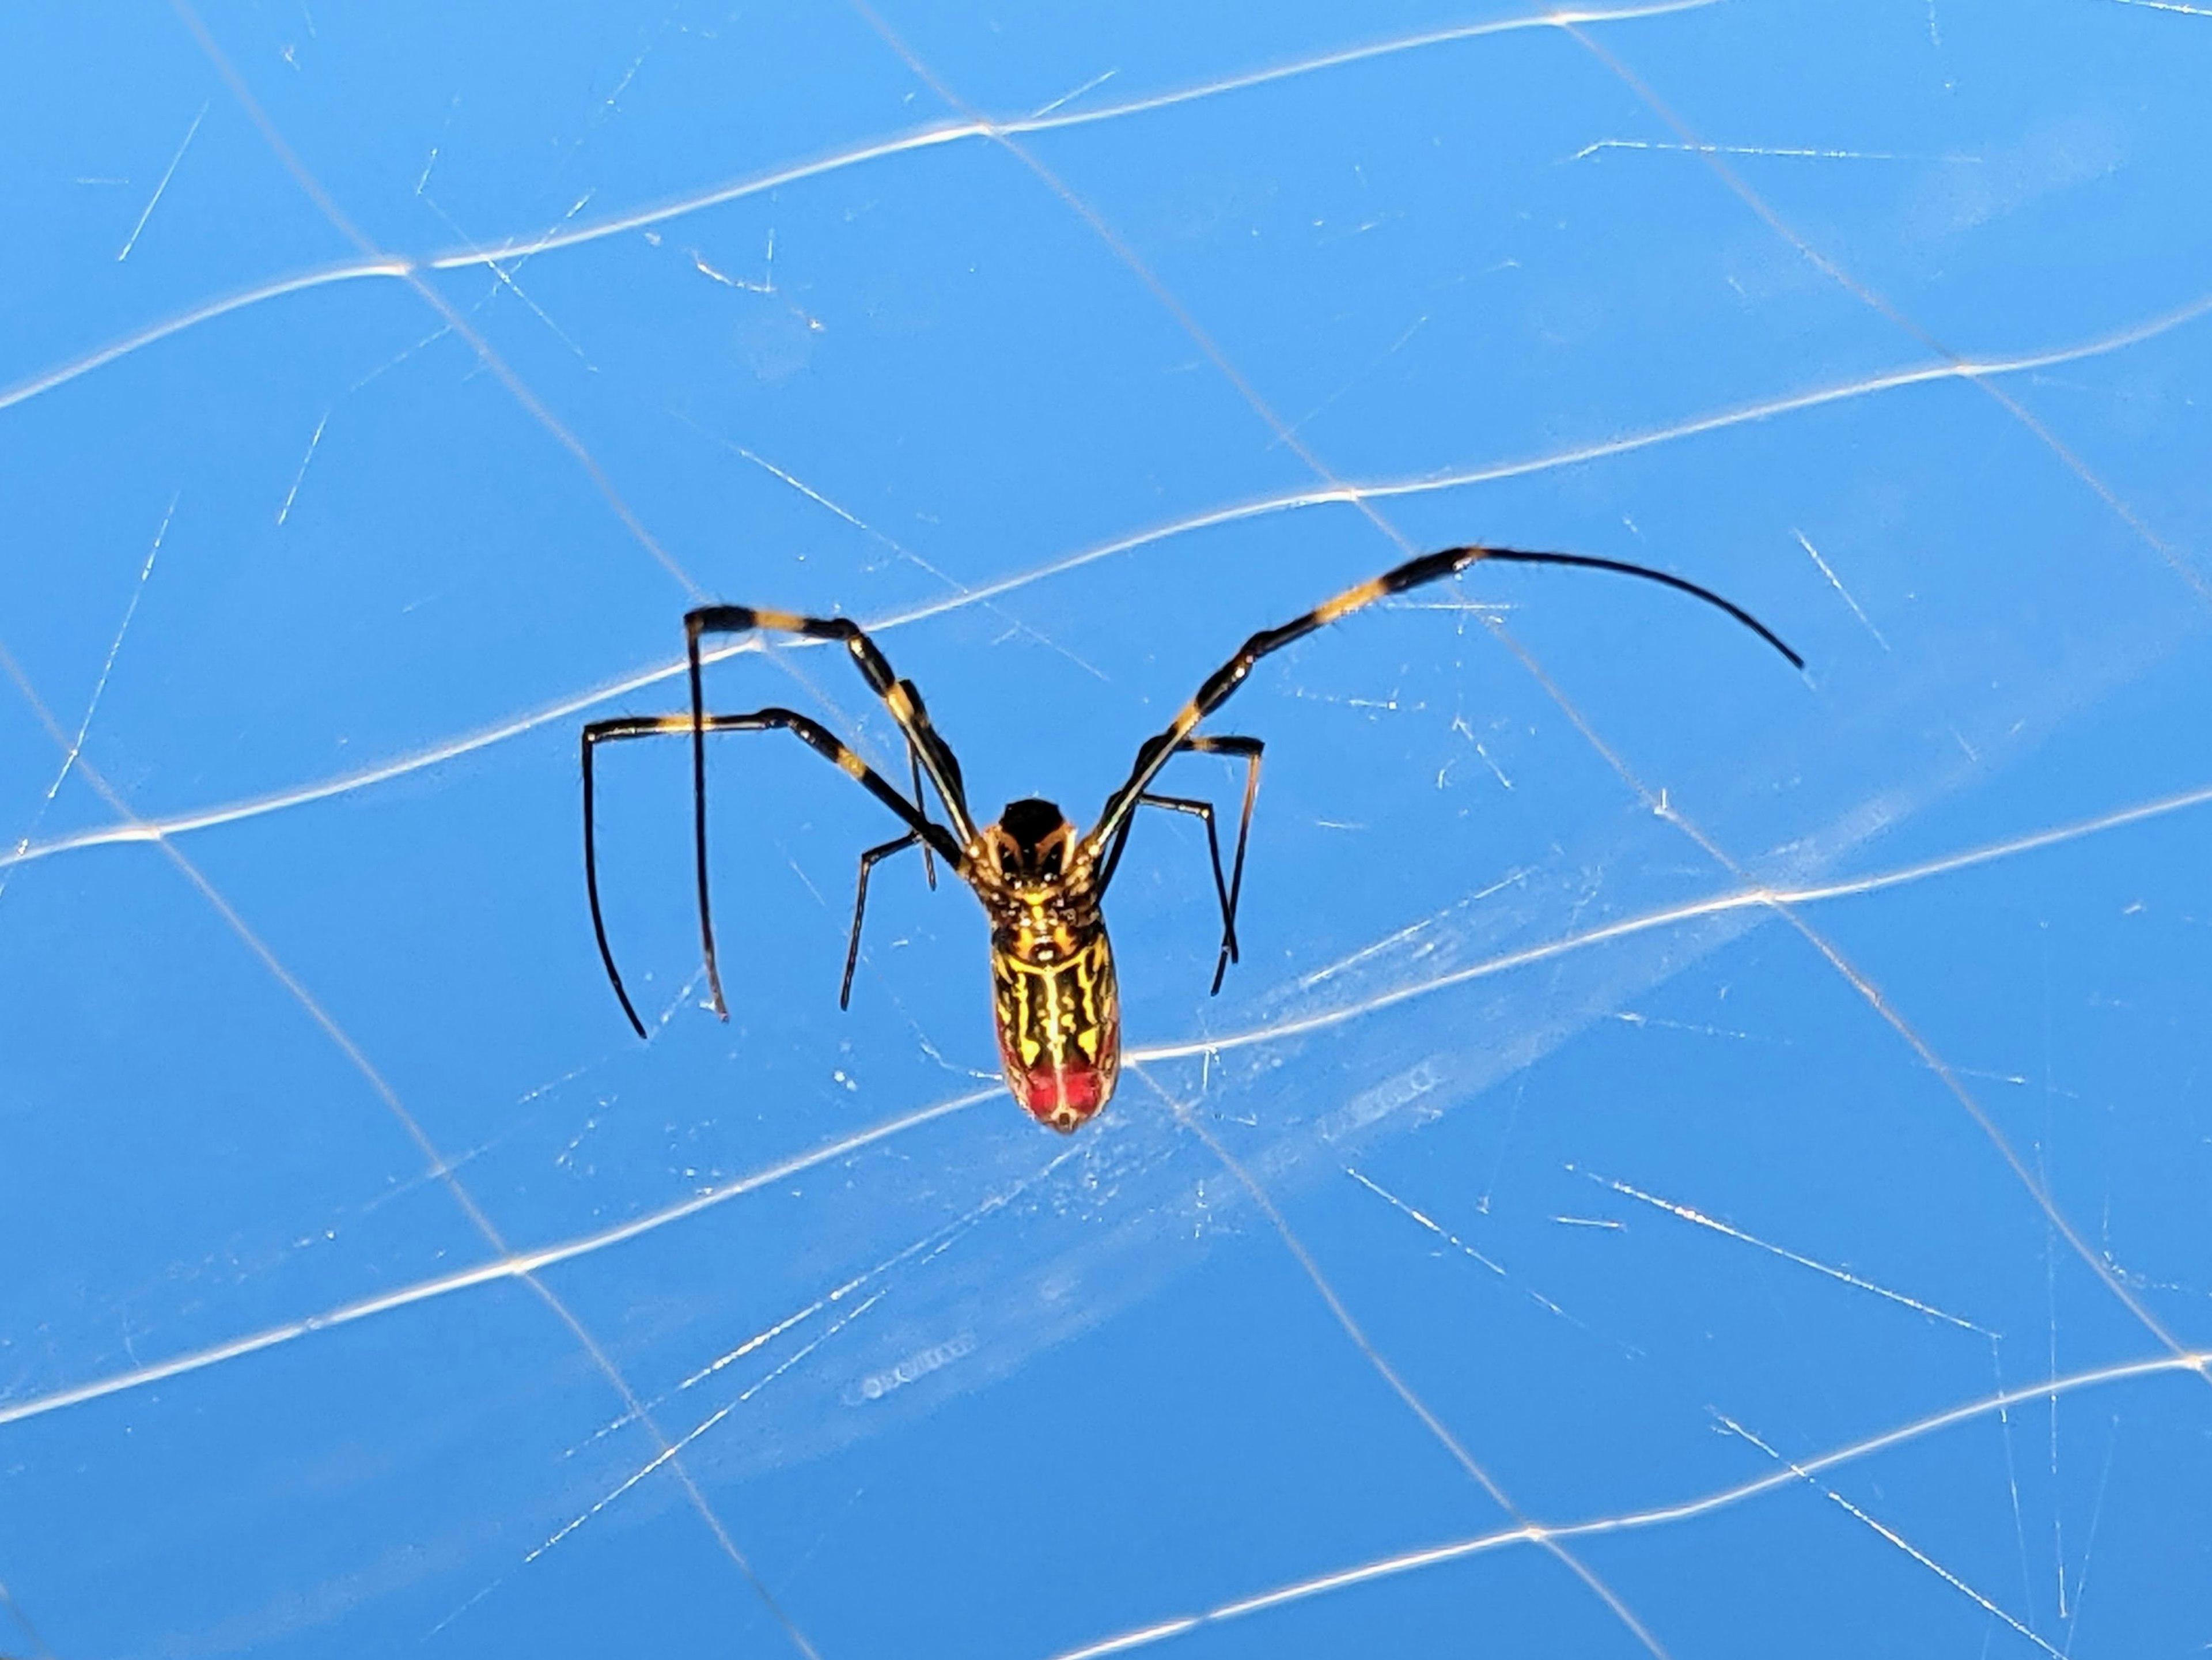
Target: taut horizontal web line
576 703
520 1263
760 184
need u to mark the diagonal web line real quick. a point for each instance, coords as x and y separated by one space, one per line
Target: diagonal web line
516 1264
1890 1535
1858 981
23 1623
436 1161
1287 436
1891 1017
142 835
1008 141
1753 897
512 1265
1697 1217
1874 300
567 441
161 189
412 276
1258 506
1425 1558
1390 1375
75 746
378 264
930 1246
1854 977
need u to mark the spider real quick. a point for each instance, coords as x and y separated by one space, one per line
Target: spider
1041 881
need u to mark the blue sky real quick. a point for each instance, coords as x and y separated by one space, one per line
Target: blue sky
1695 1158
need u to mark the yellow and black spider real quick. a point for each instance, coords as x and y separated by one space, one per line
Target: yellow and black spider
1041 883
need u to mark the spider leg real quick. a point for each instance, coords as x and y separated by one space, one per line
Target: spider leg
930 753
1154 752
697 724
860 905
1203 810
1251 749
1226 892
928 864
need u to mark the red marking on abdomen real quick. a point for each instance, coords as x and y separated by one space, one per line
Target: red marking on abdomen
1063 1097
1081 1092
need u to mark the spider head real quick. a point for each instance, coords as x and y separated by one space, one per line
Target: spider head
1032 842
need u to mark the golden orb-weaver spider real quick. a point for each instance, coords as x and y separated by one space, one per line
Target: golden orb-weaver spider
1041 883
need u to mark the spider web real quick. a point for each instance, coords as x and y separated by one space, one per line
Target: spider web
1693 1160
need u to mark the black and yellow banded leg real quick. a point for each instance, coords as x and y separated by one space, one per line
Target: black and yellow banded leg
930 753
809 732
1227 892
868 862
1154 751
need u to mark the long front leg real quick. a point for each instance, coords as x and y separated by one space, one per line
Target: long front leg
930 752
1154 751
808 731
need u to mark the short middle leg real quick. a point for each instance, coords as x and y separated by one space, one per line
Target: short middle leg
868 862
1227 892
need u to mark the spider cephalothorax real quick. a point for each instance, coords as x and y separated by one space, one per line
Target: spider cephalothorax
1042 884
1032 845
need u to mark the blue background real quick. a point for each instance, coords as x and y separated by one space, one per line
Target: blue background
1751 1126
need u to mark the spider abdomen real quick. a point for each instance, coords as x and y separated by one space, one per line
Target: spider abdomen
1059 1016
